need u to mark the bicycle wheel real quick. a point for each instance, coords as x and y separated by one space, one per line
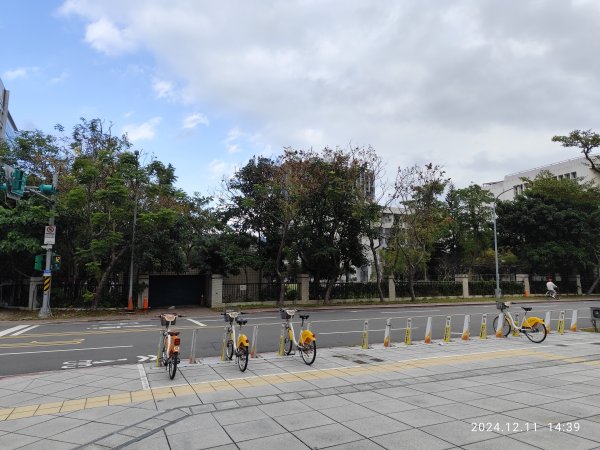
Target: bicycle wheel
163 353
229 349
309 352
505 328
173 365
242 358
287 343
536 333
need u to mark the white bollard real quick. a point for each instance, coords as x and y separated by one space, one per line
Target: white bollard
548 320
499 331
193 347
365 339
466 334
428 331
561 323
254 340
483 327
448 329
407 334
574 321
388 330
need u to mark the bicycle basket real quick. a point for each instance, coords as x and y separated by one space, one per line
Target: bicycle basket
285 315
164 321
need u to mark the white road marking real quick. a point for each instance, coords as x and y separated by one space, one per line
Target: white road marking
65 350
13 329
143 377
200 324
148 358
408 311
25 330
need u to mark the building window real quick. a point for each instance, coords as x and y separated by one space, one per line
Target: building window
573 174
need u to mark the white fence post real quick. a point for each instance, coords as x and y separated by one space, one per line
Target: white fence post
574 321
254 341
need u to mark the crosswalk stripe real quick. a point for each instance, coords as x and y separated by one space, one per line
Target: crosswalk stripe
200 324
12 330
25 330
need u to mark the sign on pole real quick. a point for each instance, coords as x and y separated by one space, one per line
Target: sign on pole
50 235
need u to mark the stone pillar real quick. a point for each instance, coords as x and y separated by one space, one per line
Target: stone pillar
524 278
143 283
391 289
216 291
304 282
464 278
34 284
578 281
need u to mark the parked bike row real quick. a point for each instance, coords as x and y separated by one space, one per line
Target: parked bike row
236 343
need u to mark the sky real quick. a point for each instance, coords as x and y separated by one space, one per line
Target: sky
478 87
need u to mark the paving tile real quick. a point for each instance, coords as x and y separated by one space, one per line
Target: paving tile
587 429
420 417
375 426
295 422
204 422
239 415
348 412
426 400
540 415
157 441
501 443
284 408
15 425
411 439
279 441
16 440
46 444
398 392
364 397
128 417
88 433
554 441
389 405
53 427
253 430
327 436
458 432
329 401
495 404
460 410
363 444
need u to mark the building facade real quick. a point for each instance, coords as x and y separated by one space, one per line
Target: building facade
513 185
8 129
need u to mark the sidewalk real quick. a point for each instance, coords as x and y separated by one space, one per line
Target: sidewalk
493 393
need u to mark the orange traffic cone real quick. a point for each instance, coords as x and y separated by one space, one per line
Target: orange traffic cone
145 303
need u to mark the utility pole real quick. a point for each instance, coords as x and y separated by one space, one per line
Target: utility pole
45 311
130 306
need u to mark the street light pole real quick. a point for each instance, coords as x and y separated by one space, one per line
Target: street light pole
498 290
135 207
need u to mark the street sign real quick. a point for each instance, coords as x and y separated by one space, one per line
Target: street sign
47 273
50 235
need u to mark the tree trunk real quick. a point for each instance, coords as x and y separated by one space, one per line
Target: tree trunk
411 283
278 262
330 284
102 283
377 269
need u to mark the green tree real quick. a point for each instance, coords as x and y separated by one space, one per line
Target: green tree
587 141
422 220
553 226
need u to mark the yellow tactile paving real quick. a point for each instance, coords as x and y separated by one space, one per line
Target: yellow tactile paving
182 390
21 415
6 412
21 409
46 411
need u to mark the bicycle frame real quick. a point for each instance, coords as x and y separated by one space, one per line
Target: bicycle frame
528 322
306 336
238 340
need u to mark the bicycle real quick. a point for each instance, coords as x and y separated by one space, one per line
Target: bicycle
532 327
240 346
553 294
169 345
308 343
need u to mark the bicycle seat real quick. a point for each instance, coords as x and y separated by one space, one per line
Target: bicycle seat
526 308
242 321
304 316
173 333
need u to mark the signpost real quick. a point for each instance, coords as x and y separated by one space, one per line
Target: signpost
50 235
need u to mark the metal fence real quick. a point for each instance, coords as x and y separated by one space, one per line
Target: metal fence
259 292
489 287
430 289
347 291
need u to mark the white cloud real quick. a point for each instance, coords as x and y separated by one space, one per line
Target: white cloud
19 72
194 120
162 88
144 131
60 78
104 36
479 87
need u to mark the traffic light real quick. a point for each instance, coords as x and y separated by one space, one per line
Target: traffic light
19 180
47 189
39 262
55 262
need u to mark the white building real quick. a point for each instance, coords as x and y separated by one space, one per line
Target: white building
512 184
8 129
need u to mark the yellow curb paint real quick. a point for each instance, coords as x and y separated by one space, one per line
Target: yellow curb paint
183 390
98 404
21 415
120 397
49 405
79 401
135 397
46 411
21 409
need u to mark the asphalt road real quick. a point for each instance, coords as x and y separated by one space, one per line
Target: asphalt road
31 347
